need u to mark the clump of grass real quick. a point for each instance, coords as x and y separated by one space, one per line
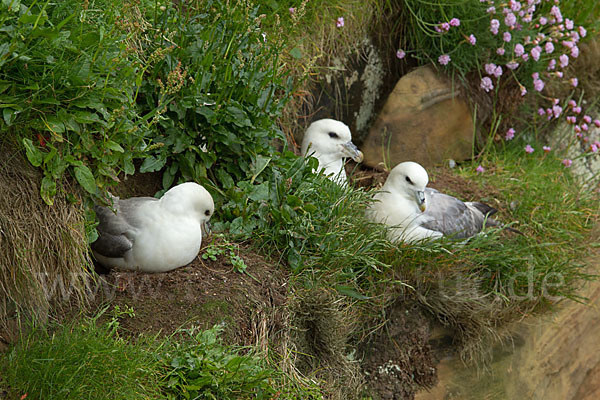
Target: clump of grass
81 360
44 249
88 359
323 324
481 286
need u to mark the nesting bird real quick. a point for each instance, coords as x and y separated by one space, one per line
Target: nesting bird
330 142
415 212
154 235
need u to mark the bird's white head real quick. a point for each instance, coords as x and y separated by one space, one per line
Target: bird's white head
408 179
190 198
329 140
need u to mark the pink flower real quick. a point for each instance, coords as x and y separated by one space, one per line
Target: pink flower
494 26
523 90
292 10
587 119
575 36
567 162
472 40
574 82
594 147
549 47
564 60
444 26
551 64
559 74
538 85
510 134
536 52
480 169
555 11
547 149
543 20
491 10
400 54
597 123
571 119
575 52
486 84
339 22
510 19
444 59
506 36
557 111
519 50
577 129
529 149
568 44
577 110
512 65
454 22
572 103
568 24
500 51
585 127
541 111
582 31
490 68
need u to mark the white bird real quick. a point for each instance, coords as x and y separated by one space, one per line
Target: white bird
415 212
330 142
154 235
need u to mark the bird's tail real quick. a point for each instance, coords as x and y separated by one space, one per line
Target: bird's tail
488 211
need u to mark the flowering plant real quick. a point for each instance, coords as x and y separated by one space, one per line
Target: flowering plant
529 42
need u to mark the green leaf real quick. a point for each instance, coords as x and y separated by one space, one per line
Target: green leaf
296 53
85 178
128 166
8 114
114 146
350 292
152 164
294 201
224 179
169 175
34 155
259 192
48 190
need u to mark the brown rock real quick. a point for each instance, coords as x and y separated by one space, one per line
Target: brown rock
423 120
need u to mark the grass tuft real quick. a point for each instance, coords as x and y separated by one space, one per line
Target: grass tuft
81 360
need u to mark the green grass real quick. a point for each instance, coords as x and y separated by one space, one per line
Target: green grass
86 359
81 360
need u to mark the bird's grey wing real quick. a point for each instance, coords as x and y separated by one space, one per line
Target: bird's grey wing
450 216
113 227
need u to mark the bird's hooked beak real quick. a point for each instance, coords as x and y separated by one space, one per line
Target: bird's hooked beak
350 150
205 228
421 200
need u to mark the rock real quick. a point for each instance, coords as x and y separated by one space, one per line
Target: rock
423 120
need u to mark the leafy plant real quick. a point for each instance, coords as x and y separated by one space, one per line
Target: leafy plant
218 89
67 93
224 248
206 369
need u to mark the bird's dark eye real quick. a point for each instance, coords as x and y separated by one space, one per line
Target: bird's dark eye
207 213
408 180
333 135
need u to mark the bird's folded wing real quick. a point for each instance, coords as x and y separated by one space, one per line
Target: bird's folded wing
115 228
450 216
